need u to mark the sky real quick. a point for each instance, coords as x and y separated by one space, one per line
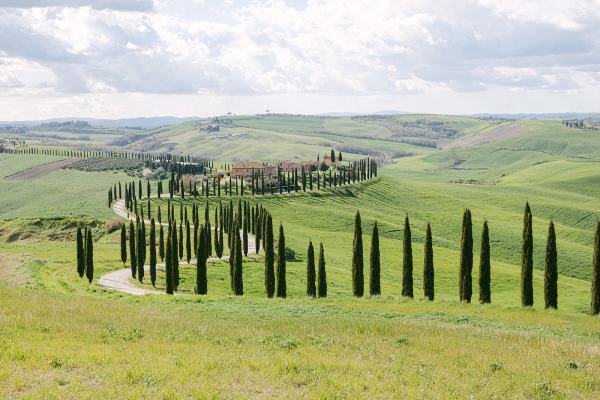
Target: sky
132 58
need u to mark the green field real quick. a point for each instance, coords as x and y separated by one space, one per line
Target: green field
64 338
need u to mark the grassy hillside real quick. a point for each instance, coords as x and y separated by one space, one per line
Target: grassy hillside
103 343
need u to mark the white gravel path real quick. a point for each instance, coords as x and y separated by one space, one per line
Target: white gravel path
121 280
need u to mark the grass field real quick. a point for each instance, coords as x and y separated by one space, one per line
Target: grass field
64 338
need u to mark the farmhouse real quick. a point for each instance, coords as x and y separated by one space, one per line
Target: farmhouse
246 168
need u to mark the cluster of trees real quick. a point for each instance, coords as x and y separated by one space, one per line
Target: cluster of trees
466 264
85 254
158 159
233 227
255 184
246 219
579 124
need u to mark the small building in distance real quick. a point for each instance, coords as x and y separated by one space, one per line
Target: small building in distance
246 168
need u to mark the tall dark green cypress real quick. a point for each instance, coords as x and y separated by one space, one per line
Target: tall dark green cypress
217 245
80 254
89 257
141 252
123 243
132 250
233 237
357 259
169 265
161 242
238 281
407 264
311 276
375 276
221 244
201 279
551 270
595 306
245 233
269 258
258 232
321 274
188 242
466 258
485 292
181 238
527 260
153 252
281 265
428 269
175 256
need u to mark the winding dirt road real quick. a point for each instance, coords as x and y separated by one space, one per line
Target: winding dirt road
121 280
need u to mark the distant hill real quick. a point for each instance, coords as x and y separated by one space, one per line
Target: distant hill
354 114
142 122
542 116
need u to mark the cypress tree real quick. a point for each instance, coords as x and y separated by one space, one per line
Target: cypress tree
180 242
217 246
123 243
311 288
407 265
322 274
269 258
238 281
152 252
188 242
466 258
551 270
132 248
258 232
141 252
245 234
374 281
485 292
81 254
527 260
357 259
209 249
428 270
221 245
233 237
89 257
174 257
595 307
281 265
161 243
169 265
201 280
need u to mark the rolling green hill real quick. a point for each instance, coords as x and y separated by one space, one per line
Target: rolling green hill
101 342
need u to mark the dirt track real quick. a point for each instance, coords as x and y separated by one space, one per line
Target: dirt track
500 133
120 280
41 170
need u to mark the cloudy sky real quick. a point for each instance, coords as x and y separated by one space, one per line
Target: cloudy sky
125 58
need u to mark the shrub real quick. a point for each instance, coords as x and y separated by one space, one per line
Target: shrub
112 225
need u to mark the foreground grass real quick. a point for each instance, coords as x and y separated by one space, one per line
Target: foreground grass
226 347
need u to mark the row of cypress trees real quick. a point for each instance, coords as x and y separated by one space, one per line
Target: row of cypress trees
466 264
357 171
256 220
85 254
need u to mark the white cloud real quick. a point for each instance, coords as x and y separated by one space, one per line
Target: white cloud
325 48
124 5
